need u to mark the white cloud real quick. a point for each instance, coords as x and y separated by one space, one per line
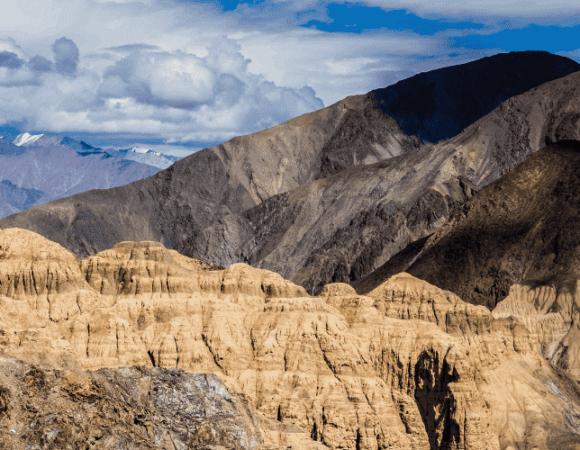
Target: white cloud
177 80
9 45
574 54
334 65
174 95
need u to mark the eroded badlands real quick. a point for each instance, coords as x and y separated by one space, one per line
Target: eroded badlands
408 366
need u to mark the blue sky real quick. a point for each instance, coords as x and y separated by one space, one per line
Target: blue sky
179 75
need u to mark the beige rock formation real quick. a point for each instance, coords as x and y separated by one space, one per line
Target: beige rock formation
44 275
553 318
408 367
407 297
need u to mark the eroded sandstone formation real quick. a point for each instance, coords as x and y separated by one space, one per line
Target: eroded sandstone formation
408 366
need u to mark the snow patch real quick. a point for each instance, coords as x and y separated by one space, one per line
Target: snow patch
26 139
139 150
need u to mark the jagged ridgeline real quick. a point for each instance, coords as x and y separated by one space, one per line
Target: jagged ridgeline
140 347
332 195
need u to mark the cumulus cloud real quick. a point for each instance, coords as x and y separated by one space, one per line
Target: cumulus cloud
8 45
40 64
10 60
175 95
163 79
66 56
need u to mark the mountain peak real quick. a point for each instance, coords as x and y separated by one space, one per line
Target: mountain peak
439 104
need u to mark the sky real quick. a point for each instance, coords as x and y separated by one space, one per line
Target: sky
181 75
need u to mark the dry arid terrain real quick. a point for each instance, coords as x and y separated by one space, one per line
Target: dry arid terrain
141 347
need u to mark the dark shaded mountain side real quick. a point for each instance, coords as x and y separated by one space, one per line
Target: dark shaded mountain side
523 228
439 104
361 138
176 204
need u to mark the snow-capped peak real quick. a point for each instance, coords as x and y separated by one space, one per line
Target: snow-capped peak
143 150
26 139
139 150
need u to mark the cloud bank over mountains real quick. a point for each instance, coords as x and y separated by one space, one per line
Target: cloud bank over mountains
197 72
176 95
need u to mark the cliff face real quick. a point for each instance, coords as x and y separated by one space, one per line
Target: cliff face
408 366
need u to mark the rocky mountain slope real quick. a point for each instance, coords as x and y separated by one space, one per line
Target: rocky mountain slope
345 226
177 204
328 196
521 227
408 366
439 104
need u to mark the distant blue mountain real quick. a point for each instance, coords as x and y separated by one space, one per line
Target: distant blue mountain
14 199
36 169
137 154
145 156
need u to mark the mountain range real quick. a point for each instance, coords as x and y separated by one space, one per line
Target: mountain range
36 169
328 196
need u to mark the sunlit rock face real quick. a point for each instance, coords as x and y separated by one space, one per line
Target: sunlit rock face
139 408
408 366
